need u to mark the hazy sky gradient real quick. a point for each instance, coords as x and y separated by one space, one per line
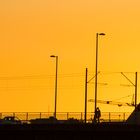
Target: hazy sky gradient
32 30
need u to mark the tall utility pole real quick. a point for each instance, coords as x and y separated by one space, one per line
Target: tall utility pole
136 79
96 70
55 84
86 95
135 85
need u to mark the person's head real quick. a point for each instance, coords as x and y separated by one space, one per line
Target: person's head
97 108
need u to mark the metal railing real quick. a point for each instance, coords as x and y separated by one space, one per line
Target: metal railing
105 116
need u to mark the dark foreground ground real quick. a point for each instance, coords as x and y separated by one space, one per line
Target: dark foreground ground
70 132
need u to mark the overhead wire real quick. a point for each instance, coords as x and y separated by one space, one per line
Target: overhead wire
30 76
45 76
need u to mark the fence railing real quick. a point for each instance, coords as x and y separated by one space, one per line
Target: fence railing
105 116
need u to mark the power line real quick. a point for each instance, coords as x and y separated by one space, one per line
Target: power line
39 76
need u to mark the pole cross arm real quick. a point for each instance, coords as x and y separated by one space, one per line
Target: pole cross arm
128 79
93 77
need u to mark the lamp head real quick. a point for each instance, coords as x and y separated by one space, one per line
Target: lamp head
101 33
52 56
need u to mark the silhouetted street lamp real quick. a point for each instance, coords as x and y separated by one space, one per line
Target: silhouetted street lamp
96 71
55 84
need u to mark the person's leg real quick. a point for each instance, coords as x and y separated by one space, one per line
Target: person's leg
98 119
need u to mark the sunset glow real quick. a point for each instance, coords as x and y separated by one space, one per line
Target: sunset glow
31 31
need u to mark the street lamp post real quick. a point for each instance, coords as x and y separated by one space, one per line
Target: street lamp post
55 84
96 72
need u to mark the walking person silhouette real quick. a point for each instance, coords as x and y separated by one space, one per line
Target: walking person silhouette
97 115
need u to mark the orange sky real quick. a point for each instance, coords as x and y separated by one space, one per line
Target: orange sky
31 31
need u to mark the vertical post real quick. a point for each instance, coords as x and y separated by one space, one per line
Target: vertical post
124 117
86 96
96 70
67 116
13 114
109 117
135 97
56 86
135 90
27 116
54 56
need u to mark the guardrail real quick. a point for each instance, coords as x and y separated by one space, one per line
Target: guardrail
105 116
